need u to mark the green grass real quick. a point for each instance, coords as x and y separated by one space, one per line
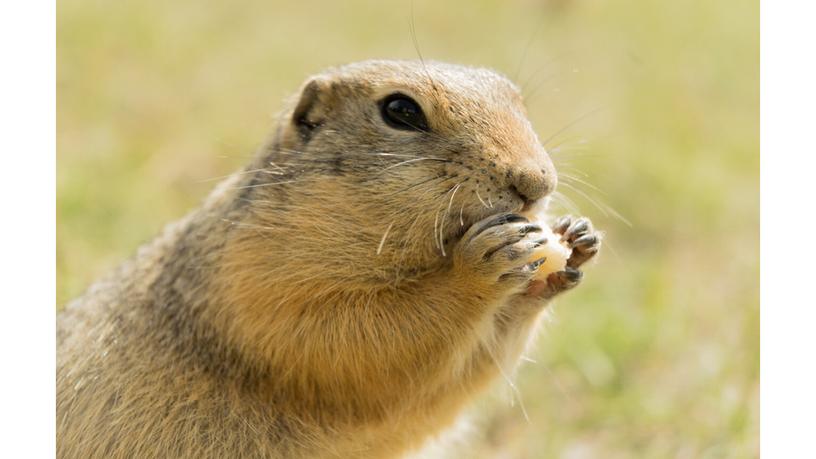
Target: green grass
656 356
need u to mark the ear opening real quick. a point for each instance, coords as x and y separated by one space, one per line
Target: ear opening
312 107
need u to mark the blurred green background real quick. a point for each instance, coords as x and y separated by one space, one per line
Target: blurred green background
656 356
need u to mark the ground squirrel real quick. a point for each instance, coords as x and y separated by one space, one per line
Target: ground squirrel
345 295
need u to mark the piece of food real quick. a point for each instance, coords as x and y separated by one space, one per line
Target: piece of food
555 252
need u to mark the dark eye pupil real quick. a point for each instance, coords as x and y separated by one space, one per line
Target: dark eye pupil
403 108
402 112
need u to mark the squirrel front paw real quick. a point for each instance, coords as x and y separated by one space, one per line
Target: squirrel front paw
579 235
496 249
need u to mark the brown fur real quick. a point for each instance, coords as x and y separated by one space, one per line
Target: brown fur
334 299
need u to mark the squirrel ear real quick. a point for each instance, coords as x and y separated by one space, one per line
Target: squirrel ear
312 107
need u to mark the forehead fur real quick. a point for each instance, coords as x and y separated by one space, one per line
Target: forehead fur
455 83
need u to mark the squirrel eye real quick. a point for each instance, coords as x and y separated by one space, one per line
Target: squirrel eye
401 112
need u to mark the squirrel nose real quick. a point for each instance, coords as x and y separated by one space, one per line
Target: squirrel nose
532 184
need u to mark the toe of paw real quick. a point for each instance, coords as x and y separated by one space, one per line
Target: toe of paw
566 279
586 242
577 229
561 225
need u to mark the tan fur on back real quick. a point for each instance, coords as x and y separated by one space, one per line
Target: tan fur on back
314 306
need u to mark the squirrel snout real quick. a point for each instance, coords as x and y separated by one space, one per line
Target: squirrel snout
532 184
